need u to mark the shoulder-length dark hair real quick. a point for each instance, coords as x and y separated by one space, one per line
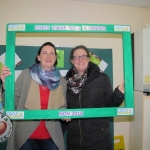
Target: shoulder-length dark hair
39 51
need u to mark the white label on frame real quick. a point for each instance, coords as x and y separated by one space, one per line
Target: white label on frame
15 114
41 27
93 28
66 27
125 111
16 27
121 28
71 113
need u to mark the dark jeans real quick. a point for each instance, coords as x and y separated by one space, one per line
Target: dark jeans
39 144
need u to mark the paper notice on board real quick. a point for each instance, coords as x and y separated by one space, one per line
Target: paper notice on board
97 60
63 72
18 61
17 73
103 65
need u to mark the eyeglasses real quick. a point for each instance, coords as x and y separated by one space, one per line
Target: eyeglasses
78 57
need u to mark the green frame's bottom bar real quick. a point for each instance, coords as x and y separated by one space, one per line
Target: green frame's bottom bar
68 113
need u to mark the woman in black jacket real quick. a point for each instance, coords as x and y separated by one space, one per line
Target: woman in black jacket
89 88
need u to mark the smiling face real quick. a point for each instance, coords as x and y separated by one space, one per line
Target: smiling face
80 60
47 57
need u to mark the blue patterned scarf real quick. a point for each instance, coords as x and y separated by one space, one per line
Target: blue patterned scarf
50 79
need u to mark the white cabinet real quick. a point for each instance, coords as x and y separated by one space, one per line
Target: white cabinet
142 60
139 127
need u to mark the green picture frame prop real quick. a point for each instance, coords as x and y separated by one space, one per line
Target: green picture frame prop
14 28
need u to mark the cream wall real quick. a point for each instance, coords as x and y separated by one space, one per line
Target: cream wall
67 11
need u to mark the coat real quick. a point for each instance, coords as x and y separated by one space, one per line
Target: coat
22 129
97 92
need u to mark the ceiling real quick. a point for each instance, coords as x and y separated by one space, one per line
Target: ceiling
132 3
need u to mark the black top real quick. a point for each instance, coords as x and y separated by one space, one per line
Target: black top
97 92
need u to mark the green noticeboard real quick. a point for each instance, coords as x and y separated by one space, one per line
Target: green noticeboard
28 53
124 30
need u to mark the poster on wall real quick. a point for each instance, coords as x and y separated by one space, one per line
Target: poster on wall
97 60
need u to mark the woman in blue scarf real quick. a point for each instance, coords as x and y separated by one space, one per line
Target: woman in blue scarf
39 87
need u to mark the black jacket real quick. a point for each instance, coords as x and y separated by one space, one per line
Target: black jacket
97 92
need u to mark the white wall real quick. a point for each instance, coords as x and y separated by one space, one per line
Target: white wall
67 11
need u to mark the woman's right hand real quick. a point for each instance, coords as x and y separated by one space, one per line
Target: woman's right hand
121 87
4 73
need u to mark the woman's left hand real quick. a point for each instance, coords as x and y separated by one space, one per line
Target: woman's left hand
121 87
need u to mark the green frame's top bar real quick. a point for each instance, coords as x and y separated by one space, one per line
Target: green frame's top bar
14 28
41 27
